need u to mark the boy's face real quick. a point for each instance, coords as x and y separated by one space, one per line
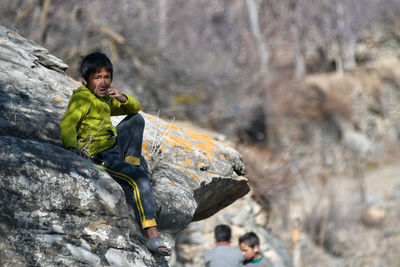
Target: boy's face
99 82
248 252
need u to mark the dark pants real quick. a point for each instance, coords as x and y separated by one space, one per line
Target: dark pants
133 179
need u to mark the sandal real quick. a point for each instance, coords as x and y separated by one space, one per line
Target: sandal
154 244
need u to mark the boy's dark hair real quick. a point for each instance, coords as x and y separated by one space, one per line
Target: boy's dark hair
250 239
222 233
93 63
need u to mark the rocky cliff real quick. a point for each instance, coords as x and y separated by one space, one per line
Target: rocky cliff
60 209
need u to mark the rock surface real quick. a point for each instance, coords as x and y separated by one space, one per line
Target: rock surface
59 209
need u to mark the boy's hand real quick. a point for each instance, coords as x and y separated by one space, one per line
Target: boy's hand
114 93
78 152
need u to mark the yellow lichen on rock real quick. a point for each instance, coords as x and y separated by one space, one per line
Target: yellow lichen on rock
99 224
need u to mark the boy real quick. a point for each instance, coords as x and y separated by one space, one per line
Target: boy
250 245
223 255
86 130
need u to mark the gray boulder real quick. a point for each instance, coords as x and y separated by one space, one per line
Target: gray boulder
59 209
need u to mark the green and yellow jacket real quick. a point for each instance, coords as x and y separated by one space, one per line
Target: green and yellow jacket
86 124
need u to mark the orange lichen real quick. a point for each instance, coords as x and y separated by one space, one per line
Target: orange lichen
199 136
185 137
146 150
188 161
76 82
207 148
145 147
205 144
150 117
186 144
194 176
169 182
170 126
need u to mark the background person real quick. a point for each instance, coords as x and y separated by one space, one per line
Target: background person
250 246
223 255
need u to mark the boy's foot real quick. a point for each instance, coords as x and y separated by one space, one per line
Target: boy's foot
154 242
156 245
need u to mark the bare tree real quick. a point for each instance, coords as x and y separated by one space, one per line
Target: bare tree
295 27
345 38
163 11
253 7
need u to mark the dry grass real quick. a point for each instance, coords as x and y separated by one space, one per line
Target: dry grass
324 224
313 101
323 96
271 179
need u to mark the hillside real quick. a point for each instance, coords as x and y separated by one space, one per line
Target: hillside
338 184
307 91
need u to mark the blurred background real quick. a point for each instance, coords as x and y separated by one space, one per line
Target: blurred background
307 91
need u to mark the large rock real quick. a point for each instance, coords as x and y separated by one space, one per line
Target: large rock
59 209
